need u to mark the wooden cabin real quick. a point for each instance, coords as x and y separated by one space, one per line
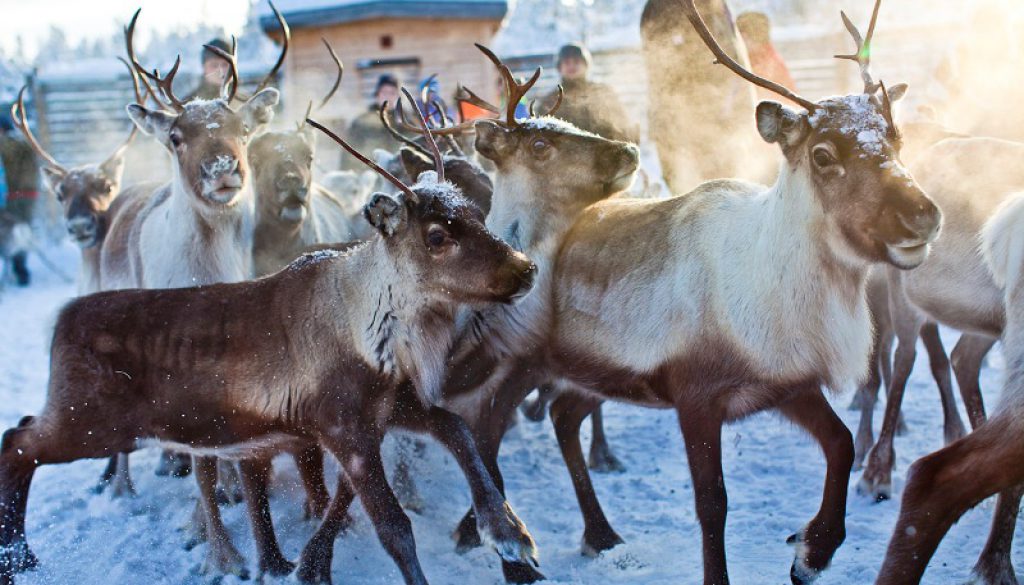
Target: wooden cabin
407 38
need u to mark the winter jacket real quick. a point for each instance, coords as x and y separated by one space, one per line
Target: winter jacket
22 174
366 133
594 107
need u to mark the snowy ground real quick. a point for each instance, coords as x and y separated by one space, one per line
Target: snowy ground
774 474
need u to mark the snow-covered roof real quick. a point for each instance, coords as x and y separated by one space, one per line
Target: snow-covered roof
307 13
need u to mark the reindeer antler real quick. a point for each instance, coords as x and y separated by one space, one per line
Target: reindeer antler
21 123
723 58
513 89
337 80
164 84
382 112
230 88
435 151
863 55
286 36
366 161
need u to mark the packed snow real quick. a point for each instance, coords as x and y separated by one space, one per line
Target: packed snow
774 474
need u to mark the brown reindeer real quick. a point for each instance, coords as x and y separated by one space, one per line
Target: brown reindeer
754 299
351 328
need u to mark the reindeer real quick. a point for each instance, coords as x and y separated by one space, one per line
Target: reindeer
352 328
547 172
754 298
293 212
196 230
90 196
956 288
15 237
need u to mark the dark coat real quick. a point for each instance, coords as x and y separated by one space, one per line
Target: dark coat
366 133
594 107
22 173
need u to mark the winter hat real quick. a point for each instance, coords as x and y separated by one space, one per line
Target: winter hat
385 79
574 51
220 44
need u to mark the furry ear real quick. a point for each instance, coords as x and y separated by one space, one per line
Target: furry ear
154 123
415 162
53 176
492 139
385 213
897 92
259 110
113 167
777 123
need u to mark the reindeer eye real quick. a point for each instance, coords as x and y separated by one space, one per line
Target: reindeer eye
540 145
176 138
823 157
436 237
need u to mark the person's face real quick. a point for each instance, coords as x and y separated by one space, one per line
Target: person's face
387 93
215 71
572 69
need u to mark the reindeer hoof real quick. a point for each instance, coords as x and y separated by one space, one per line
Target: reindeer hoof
799 575
520 573
174 465
993 570
277 567
509 537
604 461
315 569
878 491
597 541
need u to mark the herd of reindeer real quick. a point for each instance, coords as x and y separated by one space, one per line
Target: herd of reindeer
241 311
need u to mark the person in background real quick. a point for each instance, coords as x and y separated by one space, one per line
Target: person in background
765 60
22 186
366 133
433 88
215 70
587 104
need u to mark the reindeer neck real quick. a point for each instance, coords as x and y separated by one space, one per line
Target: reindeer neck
794 264
524 215
395 328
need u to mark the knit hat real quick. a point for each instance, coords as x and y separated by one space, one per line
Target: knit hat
385 79
220 44
574 51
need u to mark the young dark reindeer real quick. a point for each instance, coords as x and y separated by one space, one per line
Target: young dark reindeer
548 171
350 328
757 299
292 212
90 196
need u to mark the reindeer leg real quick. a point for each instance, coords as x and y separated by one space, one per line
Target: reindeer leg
107 476
868 393
495 520
953 427
877 478
702 433
360 456
405 485
222 558
121 484
601 458
567 414
255 475
229 483
967 357
310 464
944 485
819 540
315 561
994 566
173 464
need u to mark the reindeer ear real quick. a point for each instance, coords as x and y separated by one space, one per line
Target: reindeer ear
897 92
492 140
415 162
53 176
259 110
152 122
113 167
385 213
777 123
